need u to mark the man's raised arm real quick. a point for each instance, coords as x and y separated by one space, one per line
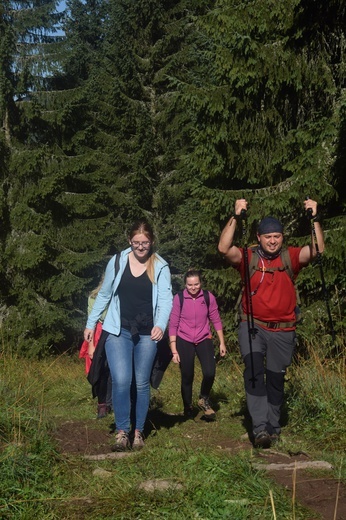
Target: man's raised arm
309 252
232 253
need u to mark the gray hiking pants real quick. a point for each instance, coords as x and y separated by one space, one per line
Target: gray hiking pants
264 375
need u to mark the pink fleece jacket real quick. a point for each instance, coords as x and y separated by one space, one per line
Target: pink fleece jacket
193 323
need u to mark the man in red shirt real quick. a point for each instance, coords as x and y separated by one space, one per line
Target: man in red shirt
268 351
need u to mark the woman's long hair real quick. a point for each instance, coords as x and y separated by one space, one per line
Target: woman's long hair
142 227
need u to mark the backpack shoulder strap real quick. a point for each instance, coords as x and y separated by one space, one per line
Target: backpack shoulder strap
206 298
252 269
116 265
181 299
254 261
286 262
116 269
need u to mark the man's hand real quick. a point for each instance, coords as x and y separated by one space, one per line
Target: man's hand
310 204
239 206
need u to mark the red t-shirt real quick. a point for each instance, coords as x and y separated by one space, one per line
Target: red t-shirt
274 298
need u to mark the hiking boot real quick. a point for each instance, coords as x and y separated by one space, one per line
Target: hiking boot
275 437
188 412
102 410
122 441
262 439
138 441
204 405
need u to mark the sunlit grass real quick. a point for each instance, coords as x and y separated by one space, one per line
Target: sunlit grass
317 400
206 481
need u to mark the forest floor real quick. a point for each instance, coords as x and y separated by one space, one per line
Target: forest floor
325 497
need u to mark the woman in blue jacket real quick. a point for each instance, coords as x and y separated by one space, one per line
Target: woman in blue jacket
139 300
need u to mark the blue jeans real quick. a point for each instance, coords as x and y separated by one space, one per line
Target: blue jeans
130 366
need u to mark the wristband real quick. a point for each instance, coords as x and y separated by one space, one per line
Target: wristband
234 217
317 218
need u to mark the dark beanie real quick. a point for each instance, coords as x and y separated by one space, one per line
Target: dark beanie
269 225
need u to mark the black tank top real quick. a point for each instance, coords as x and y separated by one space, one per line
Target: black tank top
136 301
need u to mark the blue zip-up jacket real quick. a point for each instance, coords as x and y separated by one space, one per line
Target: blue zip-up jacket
162 295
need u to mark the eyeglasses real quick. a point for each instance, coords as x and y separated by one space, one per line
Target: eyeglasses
146 244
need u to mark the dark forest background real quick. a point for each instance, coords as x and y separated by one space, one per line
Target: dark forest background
169 110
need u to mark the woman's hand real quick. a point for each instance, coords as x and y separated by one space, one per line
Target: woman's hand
222 350
156 334
88 335
176 358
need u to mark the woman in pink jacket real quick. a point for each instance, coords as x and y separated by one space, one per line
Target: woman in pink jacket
190 336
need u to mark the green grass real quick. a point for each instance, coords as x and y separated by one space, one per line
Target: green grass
207 482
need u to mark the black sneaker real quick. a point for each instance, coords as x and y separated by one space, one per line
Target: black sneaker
188 412
204 405
263 439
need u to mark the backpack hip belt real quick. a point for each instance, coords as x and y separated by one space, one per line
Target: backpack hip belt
272 324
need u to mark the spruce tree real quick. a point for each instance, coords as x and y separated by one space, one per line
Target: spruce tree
170 111
262 110
52 193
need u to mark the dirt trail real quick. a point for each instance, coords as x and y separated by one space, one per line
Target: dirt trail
320 495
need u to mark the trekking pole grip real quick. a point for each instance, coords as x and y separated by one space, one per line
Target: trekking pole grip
309 210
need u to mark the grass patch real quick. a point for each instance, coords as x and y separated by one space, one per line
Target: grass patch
205 481
317 402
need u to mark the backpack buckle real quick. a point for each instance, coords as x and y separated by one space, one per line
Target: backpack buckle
272 325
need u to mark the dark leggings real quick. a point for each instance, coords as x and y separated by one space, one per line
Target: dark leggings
205 353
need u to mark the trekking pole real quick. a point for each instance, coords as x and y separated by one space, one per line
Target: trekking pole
248 298
320 264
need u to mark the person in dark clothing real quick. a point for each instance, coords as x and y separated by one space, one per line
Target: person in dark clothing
87 351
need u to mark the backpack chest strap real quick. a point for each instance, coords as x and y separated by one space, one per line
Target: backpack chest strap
264 269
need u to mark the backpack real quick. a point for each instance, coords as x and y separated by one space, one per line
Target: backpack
253 267
205 294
